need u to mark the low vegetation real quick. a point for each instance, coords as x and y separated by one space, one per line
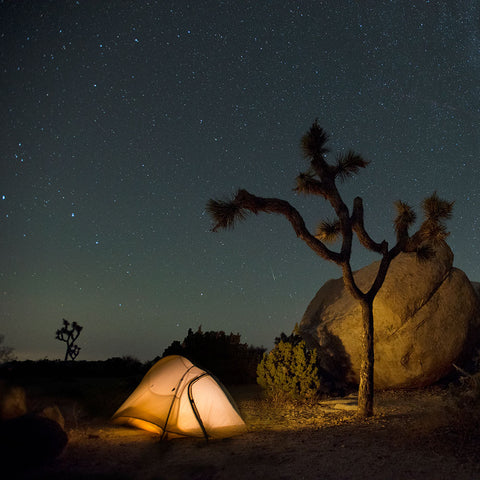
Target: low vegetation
289 372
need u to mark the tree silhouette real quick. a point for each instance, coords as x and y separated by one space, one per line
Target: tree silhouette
222 354
69 334
321 179
6 353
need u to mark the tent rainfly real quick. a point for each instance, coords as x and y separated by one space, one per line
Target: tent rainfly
176 398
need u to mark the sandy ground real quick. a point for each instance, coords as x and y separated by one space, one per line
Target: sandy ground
412 436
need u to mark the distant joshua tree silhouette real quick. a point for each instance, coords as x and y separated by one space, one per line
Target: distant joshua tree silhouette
321 180
69 334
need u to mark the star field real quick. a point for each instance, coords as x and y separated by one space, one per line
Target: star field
121 119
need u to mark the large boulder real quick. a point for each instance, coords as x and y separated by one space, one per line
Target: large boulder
423 315
30 440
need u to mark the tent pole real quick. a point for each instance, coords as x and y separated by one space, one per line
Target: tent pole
194 407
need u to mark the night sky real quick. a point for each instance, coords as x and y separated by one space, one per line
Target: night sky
121 119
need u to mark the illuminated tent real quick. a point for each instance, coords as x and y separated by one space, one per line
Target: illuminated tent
176 398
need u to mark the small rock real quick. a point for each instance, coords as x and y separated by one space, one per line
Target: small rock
53 413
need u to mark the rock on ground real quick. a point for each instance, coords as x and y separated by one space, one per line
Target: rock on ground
30 440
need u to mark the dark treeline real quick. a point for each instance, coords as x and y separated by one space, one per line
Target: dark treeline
221 354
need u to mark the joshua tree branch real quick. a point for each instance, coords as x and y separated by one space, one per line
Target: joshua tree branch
381 274
359 229
246 201
350 283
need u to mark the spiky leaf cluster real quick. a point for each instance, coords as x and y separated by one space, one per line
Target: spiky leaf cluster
434 231
348 164
328 231
406 216
224 213
437 209
314 141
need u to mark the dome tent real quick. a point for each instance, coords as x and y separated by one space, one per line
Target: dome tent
176 398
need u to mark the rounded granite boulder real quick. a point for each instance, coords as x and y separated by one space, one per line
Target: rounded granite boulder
422 318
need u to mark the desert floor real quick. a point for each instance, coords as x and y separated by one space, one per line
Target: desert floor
413 435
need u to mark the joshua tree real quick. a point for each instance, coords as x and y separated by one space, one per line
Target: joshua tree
321 179
69 334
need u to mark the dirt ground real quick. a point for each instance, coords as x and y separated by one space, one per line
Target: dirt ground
413 435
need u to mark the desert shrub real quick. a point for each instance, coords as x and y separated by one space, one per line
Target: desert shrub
289 372
222 355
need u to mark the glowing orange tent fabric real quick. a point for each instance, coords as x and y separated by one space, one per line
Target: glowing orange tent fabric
176 398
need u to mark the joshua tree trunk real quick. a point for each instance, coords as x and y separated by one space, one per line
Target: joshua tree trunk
366 386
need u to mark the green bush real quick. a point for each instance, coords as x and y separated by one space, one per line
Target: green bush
289 372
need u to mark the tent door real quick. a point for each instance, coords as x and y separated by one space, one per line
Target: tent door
165 432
